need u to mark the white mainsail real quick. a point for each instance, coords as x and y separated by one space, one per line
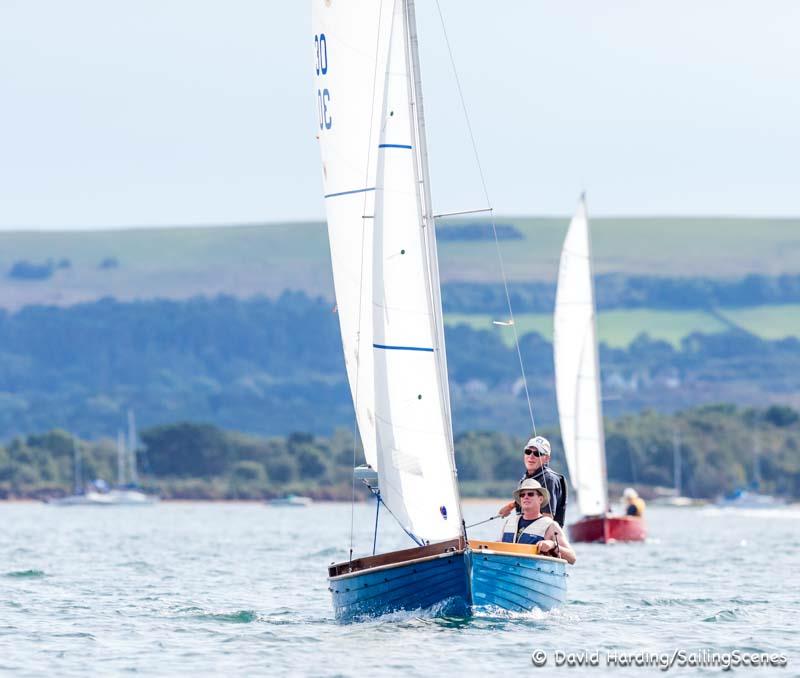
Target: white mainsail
350 40
406 384
413 435
577 368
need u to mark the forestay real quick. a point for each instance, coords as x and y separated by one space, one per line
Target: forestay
577 369
414 437
350 40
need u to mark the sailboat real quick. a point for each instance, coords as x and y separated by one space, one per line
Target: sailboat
752 497
89 495
372 140
580 409
676 498
127 491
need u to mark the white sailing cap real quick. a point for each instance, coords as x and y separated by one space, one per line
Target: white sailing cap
539 443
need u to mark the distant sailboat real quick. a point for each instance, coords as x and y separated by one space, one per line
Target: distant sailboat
577 373
82 495
97 493
752 498
677 499
291 500
127 490
383 250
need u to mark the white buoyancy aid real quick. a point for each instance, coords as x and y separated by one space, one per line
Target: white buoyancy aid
532 534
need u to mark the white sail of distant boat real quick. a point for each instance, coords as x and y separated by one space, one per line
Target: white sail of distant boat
580 411
577 369
385 269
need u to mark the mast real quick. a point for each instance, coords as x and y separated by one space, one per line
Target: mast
121 459
676 460
76 467
134 476
757 461
429 232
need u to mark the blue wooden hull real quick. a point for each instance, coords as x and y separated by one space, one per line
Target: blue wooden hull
448 578
517 583
440 582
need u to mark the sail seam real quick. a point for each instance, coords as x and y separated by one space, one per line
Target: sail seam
403 348
357 190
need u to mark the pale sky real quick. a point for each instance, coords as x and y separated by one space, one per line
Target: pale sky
172 112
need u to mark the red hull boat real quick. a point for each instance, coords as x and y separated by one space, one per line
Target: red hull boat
607 529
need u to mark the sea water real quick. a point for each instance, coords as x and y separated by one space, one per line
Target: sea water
240 589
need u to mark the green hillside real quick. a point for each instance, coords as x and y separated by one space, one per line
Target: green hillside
768 322
246 260
619 328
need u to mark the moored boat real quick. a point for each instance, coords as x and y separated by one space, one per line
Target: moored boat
747 499
291 500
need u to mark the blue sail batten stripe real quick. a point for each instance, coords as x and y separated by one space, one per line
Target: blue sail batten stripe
403 348
394 146
358 190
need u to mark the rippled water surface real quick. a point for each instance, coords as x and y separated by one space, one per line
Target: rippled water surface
241 589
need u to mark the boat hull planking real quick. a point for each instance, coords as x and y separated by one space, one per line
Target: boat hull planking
414 579
512 577
608 529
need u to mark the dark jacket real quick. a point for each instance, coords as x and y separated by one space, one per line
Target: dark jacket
556 485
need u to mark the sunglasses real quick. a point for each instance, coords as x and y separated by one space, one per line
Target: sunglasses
535 453
527 494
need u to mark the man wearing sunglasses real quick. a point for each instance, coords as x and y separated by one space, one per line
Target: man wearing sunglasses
536 458
532 527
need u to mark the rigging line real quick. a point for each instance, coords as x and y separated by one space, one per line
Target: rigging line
483 521
494 225
377 494
361 282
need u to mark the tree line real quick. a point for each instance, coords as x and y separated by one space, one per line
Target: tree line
200 461
619 290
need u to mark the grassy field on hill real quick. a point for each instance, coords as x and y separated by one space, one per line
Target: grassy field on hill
767 322
618 328
179 263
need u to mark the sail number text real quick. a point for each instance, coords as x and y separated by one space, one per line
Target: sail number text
323 94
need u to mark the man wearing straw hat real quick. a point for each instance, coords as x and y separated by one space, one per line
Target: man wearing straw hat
532 527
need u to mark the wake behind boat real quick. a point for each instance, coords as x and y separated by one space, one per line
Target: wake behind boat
385 269
580 410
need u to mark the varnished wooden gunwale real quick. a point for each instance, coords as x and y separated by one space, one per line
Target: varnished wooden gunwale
395 557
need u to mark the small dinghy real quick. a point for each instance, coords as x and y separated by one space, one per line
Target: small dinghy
580 409
381 231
